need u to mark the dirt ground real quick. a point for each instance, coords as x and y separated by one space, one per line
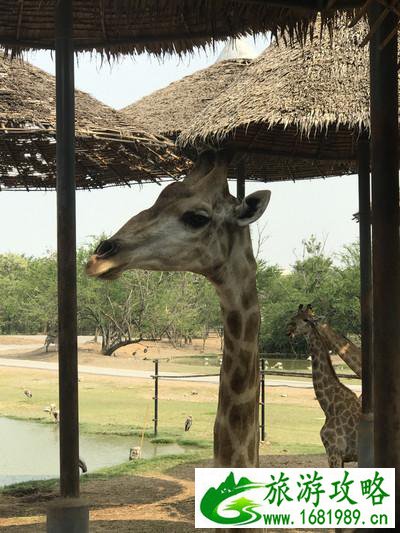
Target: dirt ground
151 503
137 356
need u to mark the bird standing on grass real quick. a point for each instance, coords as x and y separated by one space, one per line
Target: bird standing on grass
28 393
188 423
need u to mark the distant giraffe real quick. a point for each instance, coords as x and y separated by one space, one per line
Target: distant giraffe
341 406
342 346
51 338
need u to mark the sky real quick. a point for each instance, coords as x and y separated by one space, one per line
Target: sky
296 210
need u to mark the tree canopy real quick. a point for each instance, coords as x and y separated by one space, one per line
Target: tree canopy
152 305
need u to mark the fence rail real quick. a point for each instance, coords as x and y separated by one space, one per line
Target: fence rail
263 372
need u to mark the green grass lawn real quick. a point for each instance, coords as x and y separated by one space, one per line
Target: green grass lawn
124 406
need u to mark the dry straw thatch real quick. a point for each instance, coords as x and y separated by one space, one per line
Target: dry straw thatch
296 110
156 26
108 152
169 110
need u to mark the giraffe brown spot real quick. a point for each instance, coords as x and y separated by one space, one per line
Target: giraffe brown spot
215 277
252 326
248 300
253 373
240 462
234 322
250 255
231 234
224 401
251 450
224 248
228 343
245 356
197 252
239 381
224 449
227 362
241 419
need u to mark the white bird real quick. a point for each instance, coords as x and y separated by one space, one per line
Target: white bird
135 453
278 365
50 408
53 411
309 358
28 393
188 423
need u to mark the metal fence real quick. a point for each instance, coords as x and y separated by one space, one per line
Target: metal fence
263 372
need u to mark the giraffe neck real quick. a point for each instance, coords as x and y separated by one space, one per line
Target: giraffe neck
347 350
325 380
236 427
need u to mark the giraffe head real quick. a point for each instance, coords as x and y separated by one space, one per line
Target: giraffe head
195 225
302 322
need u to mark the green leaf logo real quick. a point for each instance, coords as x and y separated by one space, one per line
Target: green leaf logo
213 499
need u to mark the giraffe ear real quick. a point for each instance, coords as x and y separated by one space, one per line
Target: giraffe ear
252 207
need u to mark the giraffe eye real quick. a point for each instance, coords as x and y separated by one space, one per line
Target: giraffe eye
195 220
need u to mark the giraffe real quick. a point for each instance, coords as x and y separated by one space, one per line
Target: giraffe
341 406
196 225
342 346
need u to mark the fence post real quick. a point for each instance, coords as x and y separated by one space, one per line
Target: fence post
262 402
155 377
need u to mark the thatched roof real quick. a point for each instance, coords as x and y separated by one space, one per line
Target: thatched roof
169 110
297 110
156 26
108 150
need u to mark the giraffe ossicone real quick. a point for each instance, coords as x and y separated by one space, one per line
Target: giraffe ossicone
196 225
341 406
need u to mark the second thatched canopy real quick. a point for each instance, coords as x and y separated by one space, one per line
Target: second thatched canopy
108 150
171 109
296 112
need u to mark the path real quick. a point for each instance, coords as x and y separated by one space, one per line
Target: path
146 374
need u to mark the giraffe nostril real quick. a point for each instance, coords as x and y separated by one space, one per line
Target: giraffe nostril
106 249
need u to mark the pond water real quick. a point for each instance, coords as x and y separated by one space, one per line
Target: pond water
29 450
299 365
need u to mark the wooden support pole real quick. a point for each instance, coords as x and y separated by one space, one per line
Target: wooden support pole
66 253
366 427
385 242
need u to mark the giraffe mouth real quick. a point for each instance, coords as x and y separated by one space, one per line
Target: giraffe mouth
104 269
112 273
